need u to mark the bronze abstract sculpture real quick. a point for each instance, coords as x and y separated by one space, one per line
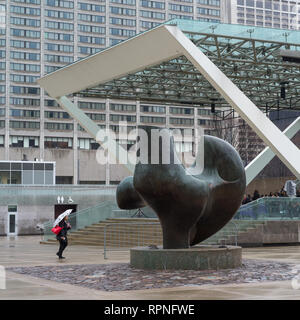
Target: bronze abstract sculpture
190 207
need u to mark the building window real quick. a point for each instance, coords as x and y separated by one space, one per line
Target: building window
127 2
25 22
25 33
58 126
25 44
59 14
152 15
148 24
204 112
24 56
113 42
25 67
24 125
121 117
216 3
58 59
23 78
59 47
94 40
25 102
23 142
182 121
154 109
50 103
24 113
122 32
25 90
88 50
91 7
96 116
59 36
28 1
56 115
181 110
181 8
25 10
59 25
58 143
250 3
60 3
147 119
122 107
91 105
121 129
87 144
91 18
209 12
93 29
153 4
122 11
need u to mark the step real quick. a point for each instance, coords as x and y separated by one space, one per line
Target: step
118 225
132 219
117 239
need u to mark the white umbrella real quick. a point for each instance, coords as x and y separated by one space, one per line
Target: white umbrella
61 216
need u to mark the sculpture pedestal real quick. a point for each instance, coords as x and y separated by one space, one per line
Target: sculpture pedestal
194 258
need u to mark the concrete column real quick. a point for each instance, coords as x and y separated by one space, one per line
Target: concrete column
167 116
42 93
7 80
107 16
138 112
107 168
75 149
196 132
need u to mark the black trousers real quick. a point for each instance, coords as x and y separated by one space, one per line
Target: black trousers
62 245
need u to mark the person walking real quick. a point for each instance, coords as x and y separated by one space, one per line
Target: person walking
62 236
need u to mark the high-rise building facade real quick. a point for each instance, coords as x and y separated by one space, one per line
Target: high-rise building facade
284 14
40 36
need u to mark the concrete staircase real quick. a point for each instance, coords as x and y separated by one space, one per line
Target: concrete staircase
117 232
129 232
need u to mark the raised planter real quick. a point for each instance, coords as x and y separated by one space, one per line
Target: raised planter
194 258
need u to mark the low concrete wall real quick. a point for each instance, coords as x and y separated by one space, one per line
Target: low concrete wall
272 232
195 258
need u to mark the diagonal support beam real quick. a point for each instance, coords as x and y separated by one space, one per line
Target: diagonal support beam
284 148
91 127
258 163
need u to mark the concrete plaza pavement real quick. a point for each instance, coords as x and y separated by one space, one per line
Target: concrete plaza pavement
27 251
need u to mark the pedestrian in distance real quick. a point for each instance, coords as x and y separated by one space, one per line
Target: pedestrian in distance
62 236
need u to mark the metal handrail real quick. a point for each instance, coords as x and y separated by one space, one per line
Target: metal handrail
108 225
236 231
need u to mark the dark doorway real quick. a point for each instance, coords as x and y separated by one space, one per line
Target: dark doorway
12 223
60 208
